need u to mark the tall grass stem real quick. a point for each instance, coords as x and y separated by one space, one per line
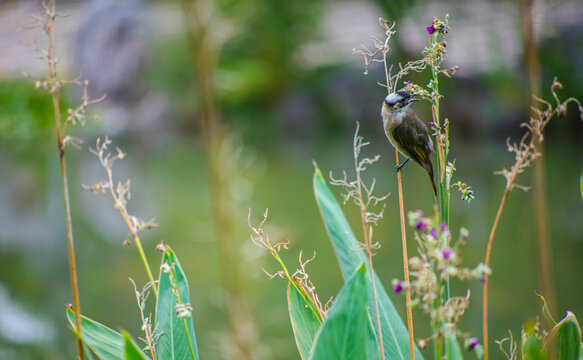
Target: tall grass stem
405 263
55 94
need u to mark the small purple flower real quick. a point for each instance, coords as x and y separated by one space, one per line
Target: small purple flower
443 226
430 123
431 29
447 252
433 233
421 225
472 343
483 278
398 287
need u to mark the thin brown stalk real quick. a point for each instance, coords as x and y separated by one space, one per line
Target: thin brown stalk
405 263
48 27
525 154
69 226
487 262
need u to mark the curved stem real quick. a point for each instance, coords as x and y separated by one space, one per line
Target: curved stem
487 263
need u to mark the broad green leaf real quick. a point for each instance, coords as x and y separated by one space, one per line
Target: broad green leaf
453 350
394 331
568 336
305 323
104 342
532 349
131 350
343 335
176 333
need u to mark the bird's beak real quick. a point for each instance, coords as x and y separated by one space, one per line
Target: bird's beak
411 99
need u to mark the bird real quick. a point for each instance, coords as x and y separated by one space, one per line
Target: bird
406 132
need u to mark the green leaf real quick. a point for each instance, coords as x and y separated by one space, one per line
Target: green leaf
532 349
394 331
545 310
568 334
453 350
104 342
176 339
581 184
342 336
305 323
131 350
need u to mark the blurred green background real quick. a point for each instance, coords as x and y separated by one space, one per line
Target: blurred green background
289 92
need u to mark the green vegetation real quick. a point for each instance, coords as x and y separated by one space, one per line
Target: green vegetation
263 114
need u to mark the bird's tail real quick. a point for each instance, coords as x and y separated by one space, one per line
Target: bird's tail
429 169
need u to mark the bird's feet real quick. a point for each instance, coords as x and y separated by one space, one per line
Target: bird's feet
399 167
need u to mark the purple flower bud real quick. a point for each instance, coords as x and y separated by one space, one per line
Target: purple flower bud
433 233
431 29
447 252
430 123
472 343
443 226
483 278
398 287
420 225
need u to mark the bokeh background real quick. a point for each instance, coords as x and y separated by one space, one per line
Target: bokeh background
287 90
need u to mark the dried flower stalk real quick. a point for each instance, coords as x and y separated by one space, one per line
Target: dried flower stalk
121 194
525 152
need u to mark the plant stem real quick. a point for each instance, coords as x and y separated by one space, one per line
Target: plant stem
70 241
441 143
119 204
140 249
55 92
487 263
146 265
405 263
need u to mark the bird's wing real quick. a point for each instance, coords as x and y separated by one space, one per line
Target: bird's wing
424 139
410 141
414 137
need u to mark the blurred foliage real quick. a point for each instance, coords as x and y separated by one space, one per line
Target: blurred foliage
290 113
25 112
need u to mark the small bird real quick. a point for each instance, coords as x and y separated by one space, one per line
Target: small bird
406 132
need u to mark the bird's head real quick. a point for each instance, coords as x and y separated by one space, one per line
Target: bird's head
398 101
